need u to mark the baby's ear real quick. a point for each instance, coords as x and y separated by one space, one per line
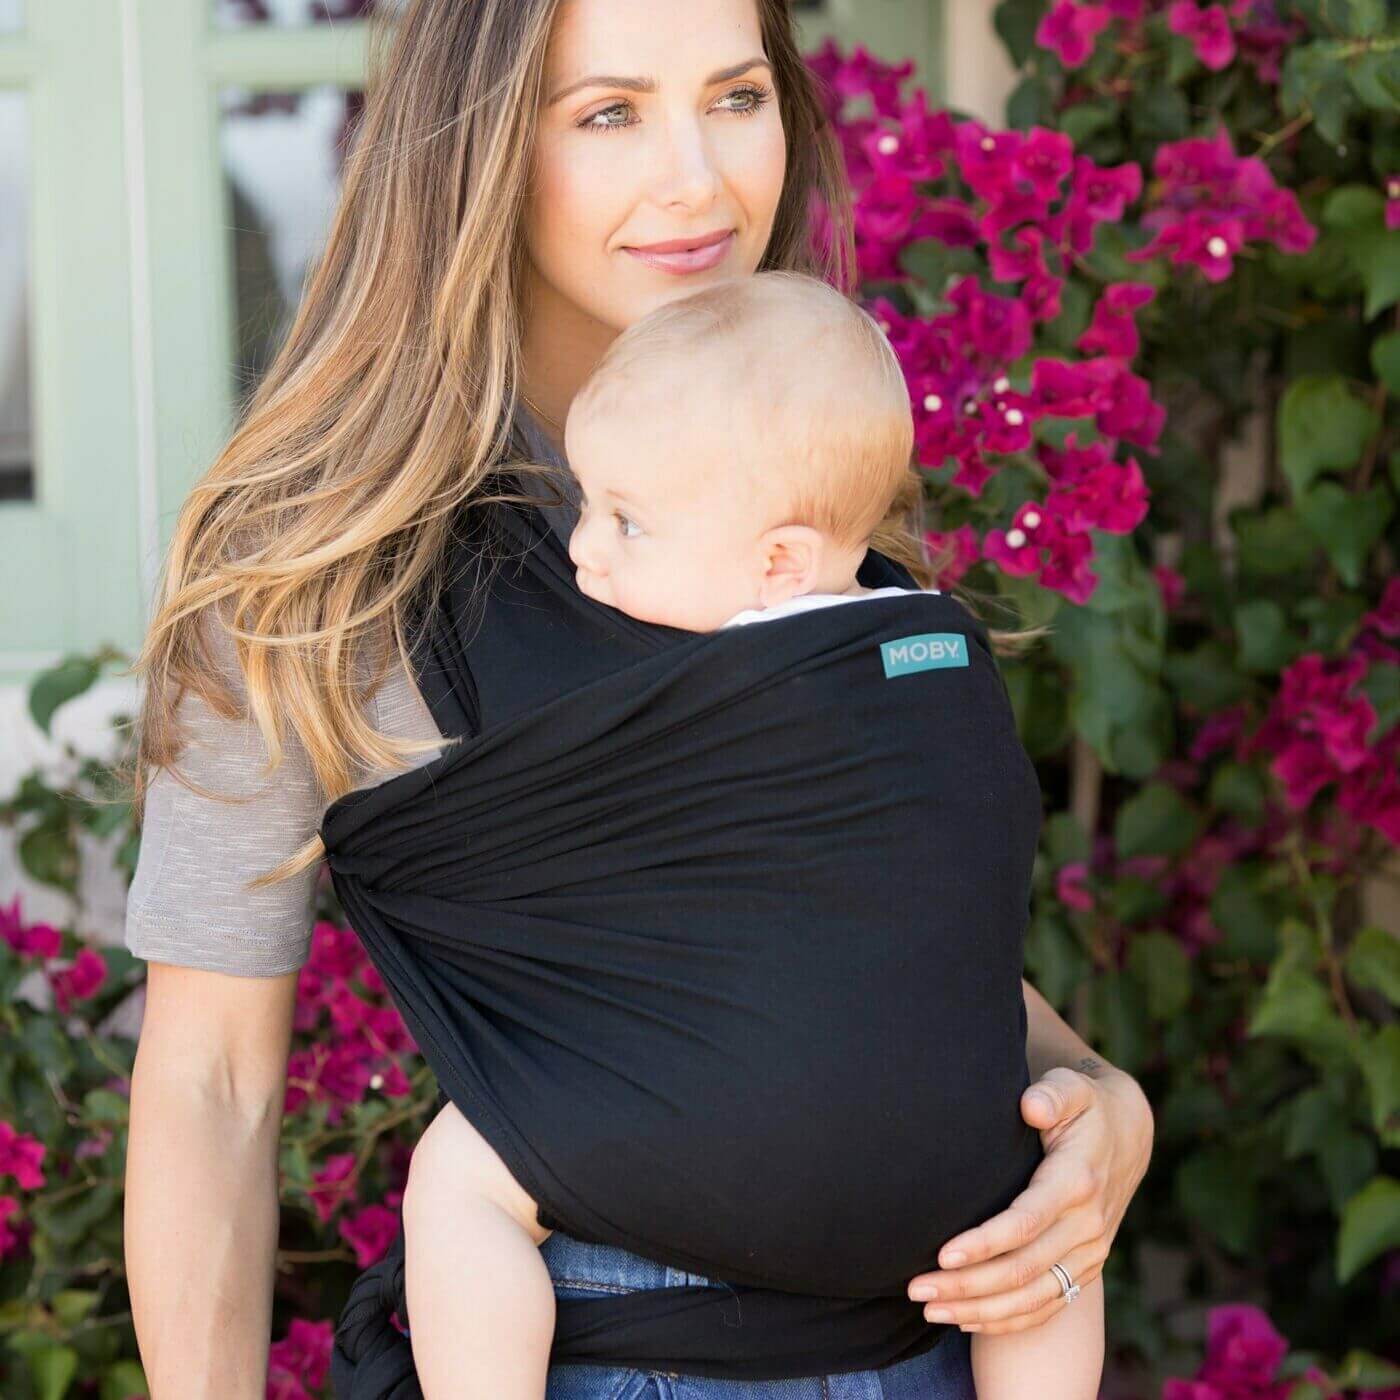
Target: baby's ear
792 562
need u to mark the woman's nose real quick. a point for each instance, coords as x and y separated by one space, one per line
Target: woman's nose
688 173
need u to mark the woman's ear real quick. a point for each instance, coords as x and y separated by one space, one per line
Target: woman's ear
792 558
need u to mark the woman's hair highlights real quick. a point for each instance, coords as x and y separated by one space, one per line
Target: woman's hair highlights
390 401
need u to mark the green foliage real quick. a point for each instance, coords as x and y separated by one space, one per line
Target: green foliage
1226 955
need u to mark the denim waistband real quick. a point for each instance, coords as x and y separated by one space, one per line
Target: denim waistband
575 1262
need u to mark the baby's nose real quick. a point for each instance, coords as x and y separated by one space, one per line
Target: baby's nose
581 553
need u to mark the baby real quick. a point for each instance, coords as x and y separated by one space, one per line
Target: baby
733 452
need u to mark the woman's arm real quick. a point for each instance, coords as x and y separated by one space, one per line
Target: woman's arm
201 1179
1096 1126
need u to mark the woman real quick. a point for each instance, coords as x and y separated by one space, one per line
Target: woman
518 165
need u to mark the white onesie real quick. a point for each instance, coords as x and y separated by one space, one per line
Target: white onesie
804 601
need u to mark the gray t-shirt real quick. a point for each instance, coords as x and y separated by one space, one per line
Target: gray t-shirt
188 903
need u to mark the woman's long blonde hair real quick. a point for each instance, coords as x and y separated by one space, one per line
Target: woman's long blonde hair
390 402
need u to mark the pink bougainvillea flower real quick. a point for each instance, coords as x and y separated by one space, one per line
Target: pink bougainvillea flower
299 1363
1385 616
93 1146
1208 30
1208 203
1242 1346
1044 160
1072 888
1392 201
335 951
28 940
1262 37
1068 30
79 980
334 1185
1170 584
1113 331
1219 732
370 1232
953 552
21 1157
11 1240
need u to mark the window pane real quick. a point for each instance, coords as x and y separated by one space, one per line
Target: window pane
237 14
282 158
16 428
11 16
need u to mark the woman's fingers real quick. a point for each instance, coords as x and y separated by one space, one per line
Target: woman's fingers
1035 1288
1057 1189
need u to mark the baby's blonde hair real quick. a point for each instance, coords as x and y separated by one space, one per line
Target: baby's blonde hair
804 368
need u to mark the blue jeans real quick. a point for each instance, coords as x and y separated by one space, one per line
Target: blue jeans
580 1269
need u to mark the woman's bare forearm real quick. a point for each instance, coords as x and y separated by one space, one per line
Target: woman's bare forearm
1051 1041
201 1235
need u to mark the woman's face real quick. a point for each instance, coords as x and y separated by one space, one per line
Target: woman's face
659 123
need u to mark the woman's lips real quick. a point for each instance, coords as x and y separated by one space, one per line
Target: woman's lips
692 260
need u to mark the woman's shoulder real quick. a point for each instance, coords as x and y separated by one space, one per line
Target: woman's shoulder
223 821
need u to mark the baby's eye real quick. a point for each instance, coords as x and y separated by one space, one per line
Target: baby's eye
624 523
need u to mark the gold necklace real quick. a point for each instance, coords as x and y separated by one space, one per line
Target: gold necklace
540 413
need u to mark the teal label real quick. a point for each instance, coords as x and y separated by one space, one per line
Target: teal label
926 651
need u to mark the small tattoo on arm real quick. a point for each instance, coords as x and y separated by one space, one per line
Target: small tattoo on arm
1089 1064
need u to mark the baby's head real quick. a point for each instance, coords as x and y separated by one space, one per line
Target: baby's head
736 448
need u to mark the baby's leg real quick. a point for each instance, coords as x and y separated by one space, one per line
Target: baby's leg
480 1300
1062 1359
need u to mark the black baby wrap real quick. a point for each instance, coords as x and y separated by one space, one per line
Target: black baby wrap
716 938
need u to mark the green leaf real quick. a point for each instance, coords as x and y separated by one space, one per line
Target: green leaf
1313 1120
1238 789
71 1305
1016 22
1373 961
1266 644
53 1369
56 686
1385 360
1273 542
1378 1054
1117 1009
1116 701
1159 962
1382 687
1246 914
1361 1370
1322 427
1295 1007
1055 961
1352 207
1370 1225
1214 1188
1348 526
1156 820
1312 80
1356 216
1085 119
122 1379
1064 840
49 855
1206 677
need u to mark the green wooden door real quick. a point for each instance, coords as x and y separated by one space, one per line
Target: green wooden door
71 543
162 223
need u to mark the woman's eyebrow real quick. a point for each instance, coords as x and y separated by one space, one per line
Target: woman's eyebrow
649 84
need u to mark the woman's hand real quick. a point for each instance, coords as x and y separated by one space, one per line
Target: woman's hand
1096 1128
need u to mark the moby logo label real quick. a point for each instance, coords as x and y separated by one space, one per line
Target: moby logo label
925 651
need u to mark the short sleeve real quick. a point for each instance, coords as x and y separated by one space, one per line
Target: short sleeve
189 902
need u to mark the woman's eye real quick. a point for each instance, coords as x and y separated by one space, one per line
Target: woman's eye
624 523
756 96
